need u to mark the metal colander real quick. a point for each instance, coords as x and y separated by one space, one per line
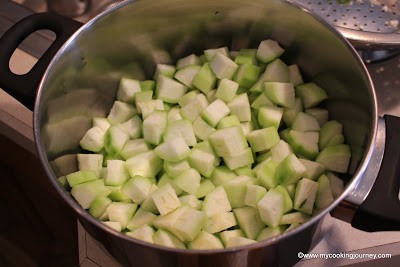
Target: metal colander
366 23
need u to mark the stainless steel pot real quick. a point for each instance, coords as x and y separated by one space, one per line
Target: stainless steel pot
77 79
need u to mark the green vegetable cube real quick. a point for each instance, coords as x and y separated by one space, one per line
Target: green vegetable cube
127 89
202 129
228 121
254 194
133 127
192 201
169 90
328 131
246 56
117 174
320 114
144 233
188 181
228 141
193 109
117 195
266 174
85 193
142 97
205 240
165 238
184 222
314 169
147 85
80 177
249 221
294 217
276 71
236 190
225 235
202 161
154 127
103 123
280 151
134 147
280 93
219 222
270 232
137 188
215 112
324 194
335 158
187 74
174 150
271 207
247 75
290 170
174 114
337 185
246 170
289 114
164 70
205 79
304 122
288 202
121 212
305 144
216 202
222 66
263 139
210 53
165 199
121 112
261 100
146 164
306 192
114 140
270 116
173 169
191 59
93 140
268 50
243 158
189 96
206 186
222 174
311 94
147 107
148 204
240 107
211 95
295 77
226 90
99 206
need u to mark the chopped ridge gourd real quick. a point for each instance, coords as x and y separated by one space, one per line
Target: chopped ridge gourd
221 150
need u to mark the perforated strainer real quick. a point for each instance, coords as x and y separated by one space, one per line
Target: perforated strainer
366 23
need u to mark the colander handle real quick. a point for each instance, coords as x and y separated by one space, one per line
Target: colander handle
24 87
371 40
380 211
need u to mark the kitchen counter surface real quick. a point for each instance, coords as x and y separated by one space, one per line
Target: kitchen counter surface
337 236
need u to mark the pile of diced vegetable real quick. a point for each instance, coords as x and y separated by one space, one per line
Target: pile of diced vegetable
224 149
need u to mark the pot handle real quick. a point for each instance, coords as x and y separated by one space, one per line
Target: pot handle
24 87
380 211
